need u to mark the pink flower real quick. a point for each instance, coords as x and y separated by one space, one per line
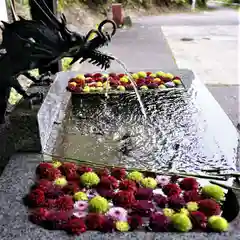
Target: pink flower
162 180
80 214
80 206
118 214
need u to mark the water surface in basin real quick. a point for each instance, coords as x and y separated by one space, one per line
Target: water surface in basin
113 130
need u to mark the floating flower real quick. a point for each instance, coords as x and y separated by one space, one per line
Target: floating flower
57 220
94 221
119 173
80 196
184 211
68 168
43 184
213 191
209 207
75 226
108 225
91 193
198 219
171 189
143 208
106 193
81 206
128 185
159 222
124 199
158 191
80 214
64 203
122 226
56 164
89 179
189 184
98 204
83 169
218 224
192 206
149 182
135 221
71 188
74 176
35 198
174 178
168 212
144 194
181 222
175 202
118 214
191 196
108 182
54 192
103 172
160 200
162 180
135 176
47 171
61 181
39 216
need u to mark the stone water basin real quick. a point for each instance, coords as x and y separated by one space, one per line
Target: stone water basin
181 132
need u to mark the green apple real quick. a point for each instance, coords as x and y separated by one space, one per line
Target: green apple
121 88
142 74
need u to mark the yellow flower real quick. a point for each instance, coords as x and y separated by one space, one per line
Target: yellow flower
122 226
56 164
61 182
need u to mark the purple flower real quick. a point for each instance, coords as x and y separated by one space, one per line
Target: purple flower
80 214
91 193
162 180
80 206
118 214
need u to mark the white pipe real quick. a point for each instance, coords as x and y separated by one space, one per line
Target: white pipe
3 11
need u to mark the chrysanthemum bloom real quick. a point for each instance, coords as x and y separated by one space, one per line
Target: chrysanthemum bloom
39 216
171 189
160 200
118 173
122 226
144 194
135 221
43 184
60 182
91 193
108 225
162 180
89 179
181 222
108 182
176 202
35 198
143 208
106 193
80 196
83 169
191 196
64 203
189 184
168 212
128 185
94 221
74 176
124 199
68 168
98 204
47 171
158 222
118 214
57 220
199 220
81 206
103 172
54 192
71 188
174 178
75 226
209 207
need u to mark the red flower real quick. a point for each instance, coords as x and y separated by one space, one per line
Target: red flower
143 208
159 222
71 188
75 226
43 184
119 173
47 171
107 225
171 189
128 185
144 194
209 207
68 168
94 221
188 184
135 221
103 172
35 198
175 202
124 199
174 178
82 169
54 192
74 176
57 220
106 193
39 216
191 196
50 203
108 182
160 200
64 203
199 220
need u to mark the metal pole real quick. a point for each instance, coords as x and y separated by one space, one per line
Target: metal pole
37 15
